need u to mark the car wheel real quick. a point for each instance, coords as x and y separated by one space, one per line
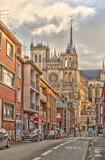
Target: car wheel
7 146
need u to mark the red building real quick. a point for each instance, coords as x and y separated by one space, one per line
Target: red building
10 81
99 117
65 116
103 109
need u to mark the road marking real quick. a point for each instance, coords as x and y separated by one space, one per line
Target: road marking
37 158
62 144
73 147
98 155
56 147
47 152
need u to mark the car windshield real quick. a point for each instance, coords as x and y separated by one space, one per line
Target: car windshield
2 130
51 133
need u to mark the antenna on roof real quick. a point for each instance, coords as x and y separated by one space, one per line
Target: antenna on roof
2 13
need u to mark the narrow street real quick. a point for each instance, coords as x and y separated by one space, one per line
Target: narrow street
69 148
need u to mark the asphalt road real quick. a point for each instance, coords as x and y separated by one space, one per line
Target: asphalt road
62 149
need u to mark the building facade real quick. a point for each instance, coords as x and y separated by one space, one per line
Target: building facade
31 106
61 72
10 82
48 110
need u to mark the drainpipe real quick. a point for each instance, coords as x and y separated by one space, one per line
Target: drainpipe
15 87
22 95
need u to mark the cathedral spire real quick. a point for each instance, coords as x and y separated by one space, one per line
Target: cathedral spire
71 35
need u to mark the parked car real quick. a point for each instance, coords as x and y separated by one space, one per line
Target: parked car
4 139
52 135
33 135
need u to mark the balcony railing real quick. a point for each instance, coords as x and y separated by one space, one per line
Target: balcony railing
32 84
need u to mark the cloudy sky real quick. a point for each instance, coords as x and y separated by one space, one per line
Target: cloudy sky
49 21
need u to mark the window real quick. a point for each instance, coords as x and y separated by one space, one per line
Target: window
8 77
18 125
35 58
9 50
0 40
101 110
0 73
8 111
66 77
39 58
90 92
65 62
70 77
97 92
19 70
101 120
19 94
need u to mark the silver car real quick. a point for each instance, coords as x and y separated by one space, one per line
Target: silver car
4 140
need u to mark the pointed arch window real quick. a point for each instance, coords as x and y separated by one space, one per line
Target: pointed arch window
70 76
39 58
65 62
66 79
70 62
35 58
97 92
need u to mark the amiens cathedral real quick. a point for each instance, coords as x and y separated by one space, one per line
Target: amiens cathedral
60 70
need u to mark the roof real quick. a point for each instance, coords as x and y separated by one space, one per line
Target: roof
47 84
89 110
34 65
61 103
8 33
91 74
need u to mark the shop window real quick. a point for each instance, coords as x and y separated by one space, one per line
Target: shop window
9 50
8 111
18 125
35 58
8 77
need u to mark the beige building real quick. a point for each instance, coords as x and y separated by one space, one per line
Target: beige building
61 72
31 95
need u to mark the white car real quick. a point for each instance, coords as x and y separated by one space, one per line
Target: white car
4 140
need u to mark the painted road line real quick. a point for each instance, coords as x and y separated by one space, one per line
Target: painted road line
47 152
62 144
37 158
98 155
56 147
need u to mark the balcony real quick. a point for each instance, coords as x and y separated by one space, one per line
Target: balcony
32 84
43 98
